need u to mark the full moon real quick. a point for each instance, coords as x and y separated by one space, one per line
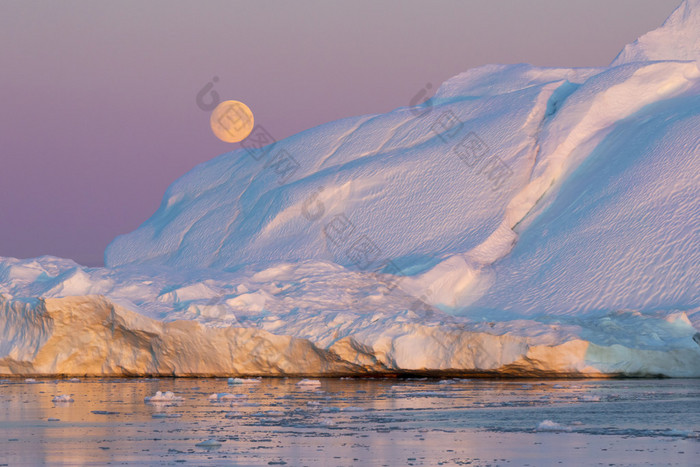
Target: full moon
231 121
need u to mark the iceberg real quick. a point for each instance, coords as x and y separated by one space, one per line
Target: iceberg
525 221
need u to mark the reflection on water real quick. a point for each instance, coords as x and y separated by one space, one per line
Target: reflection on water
351 422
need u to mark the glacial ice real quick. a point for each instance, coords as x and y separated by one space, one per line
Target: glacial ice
532 221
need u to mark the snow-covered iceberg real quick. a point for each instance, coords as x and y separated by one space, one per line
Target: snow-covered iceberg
524 221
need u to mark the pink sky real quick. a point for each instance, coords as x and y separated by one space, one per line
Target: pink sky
98 99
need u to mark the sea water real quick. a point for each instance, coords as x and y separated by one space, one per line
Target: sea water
339 422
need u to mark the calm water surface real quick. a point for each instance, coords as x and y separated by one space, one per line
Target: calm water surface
352 422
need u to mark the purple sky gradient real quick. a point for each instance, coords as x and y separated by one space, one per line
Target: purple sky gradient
98 109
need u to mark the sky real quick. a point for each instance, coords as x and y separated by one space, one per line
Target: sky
99 111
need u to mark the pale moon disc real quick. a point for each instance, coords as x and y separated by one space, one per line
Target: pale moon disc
231 121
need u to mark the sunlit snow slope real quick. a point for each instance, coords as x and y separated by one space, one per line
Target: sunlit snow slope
523 221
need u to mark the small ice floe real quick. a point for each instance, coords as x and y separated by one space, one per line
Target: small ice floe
232 415
74 380
209 444
589 398
447 381
162 397
327 422
233 381
30 380
313 403
268 413
166 415
309 383
558 386
550 426
224 397
62 399
680 433
352 409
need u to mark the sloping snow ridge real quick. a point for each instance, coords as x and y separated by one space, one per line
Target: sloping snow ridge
525 221
676 39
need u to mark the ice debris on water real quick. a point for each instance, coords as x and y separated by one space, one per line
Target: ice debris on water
166 396
64 398
309 383
550 426
225 396
166 415
209 443
233 381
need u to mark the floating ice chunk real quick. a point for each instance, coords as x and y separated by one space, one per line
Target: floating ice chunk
549 425
674 432
352 409
589 398
224 396
309 383
232 414
166 396
30 380
166 415
244 381
250 404
210 443
62 398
